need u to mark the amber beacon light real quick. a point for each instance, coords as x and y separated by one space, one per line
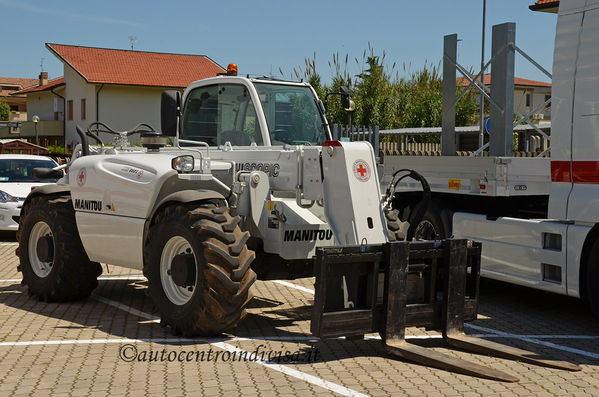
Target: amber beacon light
232 69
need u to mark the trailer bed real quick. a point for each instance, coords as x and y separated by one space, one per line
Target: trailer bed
485 176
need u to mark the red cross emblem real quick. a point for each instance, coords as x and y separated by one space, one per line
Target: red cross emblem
361 170
81 177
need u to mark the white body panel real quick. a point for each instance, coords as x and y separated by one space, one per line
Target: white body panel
352 194
301 232
124 184
513 249
116 240
113 195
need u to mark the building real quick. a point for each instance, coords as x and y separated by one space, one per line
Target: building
120 88
17 103
46 101
528 95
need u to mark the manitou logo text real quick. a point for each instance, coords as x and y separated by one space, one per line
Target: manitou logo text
307 235
90 205
272 169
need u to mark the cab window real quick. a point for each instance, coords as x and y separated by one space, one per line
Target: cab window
292 114
221 113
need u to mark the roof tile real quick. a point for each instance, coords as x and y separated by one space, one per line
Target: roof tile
51 84
463 82
128 67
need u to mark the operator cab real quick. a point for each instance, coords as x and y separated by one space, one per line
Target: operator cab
251 112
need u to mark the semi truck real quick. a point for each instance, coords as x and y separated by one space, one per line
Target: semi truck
536 217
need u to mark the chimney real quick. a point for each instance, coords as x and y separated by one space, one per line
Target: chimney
43 78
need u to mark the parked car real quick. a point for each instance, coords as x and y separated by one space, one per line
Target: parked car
15 184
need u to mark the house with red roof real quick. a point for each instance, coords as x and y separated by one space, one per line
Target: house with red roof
528 95
120 88
17 103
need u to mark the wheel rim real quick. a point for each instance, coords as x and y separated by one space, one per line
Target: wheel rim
426 231
40 268
176 294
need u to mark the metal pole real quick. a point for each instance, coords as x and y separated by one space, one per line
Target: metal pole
481 135
450 49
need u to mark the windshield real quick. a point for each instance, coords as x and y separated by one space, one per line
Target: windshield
292 114
19 170
221 113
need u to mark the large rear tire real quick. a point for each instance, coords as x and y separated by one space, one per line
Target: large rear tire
53 261
198 269
592 278
433 225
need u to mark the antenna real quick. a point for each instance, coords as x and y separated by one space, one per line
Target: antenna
132 40
42 64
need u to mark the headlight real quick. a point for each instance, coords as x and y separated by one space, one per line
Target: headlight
183 163
6 198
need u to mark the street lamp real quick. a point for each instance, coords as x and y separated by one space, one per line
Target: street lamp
35 120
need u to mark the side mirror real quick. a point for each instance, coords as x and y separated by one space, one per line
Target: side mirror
345 101
169 111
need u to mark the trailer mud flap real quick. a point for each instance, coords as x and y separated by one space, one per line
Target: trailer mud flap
386 288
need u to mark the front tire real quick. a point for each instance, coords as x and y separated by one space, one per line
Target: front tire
53 261
198 269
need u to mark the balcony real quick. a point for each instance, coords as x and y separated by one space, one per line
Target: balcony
26 129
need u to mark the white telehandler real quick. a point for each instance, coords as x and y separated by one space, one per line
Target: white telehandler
253 186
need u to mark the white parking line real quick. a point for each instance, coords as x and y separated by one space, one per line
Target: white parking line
344 391
534 340
334 387
276 338
495 333
9 243
292 285
115 277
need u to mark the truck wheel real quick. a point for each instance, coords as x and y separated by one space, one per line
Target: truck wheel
53 261
198 269
430 226
592 278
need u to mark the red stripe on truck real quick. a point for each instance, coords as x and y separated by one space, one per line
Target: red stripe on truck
575 171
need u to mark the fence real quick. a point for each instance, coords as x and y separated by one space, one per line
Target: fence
396 142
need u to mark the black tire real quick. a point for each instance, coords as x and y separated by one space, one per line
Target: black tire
433 224
395 226
218 276
65 273
592 278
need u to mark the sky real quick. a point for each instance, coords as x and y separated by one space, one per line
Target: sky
262 36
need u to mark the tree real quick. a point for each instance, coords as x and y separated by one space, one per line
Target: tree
383 99
4 109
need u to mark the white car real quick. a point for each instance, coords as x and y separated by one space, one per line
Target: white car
15 184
